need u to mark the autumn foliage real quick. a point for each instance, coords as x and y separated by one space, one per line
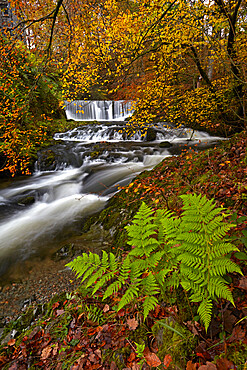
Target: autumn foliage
28 103
181 62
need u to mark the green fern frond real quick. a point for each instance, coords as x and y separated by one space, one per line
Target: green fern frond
129 295
222 265
153 260
218 288
205 311
112 289
194 275
125 269
190 260
81 264
219 249
102 281
173 281
150 285
149 304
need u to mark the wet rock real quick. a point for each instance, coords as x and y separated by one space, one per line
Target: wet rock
165 144
64 252
27 200
151 134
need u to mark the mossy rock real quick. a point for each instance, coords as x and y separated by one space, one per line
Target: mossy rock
165 144
175 340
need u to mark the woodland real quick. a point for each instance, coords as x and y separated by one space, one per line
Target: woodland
170 292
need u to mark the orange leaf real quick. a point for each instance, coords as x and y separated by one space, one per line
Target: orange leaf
167 361
11 342
151 358
191 366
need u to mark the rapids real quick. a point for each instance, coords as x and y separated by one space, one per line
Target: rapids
74 179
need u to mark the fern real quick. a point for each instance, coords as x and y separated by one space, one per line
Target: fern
167 251
202 253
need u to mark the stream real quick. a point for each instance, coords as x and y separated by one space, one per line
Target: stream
74 179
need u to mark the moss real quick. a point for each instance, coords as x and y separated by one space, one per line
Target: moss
120 357
58 328
170 342
237 353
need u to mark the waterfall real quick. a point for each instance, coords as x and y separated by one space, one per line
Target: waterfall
98 110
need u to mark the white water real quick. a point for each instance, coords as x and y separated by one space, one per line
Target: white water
77 184
45 218
98 110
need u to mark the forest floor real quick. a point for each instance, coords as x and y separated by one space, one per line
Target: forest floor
73 330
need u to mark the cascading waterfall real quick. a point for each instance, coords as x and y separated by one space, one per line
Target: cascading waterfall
98 110
75 178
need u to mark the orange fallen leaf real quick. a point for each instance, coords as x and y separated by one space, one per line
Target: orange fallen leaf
11 342
191 366
167 361
151 358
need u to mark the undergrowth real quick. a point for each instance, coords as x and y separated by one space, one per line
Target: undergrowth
192 251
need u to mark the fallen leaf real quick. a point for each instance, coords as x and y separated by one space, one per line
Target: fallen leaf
46 352
229 321
54 349
243 283
55 305
237 334
98 352
132 357
167 361
151 358
208 366
132 324
14 366
106 308
92 357
2 359
113 366
11 342
224 364
190 366
60 312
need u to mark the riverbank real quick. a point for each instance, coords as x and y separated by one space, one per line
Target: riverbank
82 332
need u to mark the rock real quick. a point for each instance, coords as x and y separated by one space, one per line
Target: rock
165 144
151 134
64 252
27 200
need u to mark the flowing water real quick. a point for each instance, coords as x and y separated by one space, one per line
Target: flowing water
74 179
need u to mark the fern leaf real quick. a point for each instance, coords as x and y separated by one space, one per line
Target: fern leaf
113 288
222 265
205 311
220 249
218 288
125 269
149 304
131 292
